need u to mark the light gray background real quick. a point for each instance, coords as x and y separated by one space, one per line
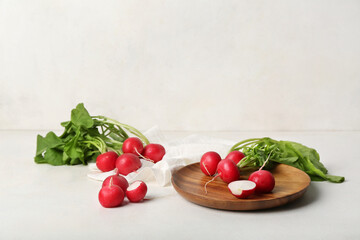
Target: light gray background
183 65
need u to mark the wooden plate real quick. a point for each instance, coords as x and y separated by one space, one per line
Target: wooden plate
290 184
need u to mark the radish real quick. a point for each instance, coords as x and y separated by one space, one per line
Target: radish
235 156
111 195
242 188
117 180
154 152
136 191
133 145
264 180
127 163
209 162
106 161
227 171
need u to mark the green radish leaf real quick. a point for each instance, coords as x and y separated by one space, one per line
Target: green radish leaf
81 117
40 159
335 179
50 141
54 157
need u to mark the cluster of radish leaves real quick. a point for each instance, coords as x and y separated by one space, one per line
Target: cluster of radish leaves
307 159
84 138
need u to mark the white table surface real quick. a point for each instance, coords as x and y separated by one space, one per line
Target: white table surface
47 202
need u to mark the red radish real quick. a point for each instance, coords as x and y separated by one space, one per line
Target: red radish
127 163
264 180
154 152
242 188
133 145
106 161
111 195
117 180
209 162
227 171
235 156
136 191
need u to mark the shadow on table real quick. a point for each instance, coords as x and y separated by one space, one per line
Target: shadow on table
311 195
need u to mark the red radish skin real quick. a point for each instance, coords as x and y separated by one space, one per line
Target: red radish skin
133 145
117 180
242 188
153 151
265 181
136 192
235 156
127 163
209 162
106 161
111 196
228 171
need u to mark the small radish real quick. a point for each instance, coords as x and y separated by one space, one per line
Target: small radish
227 171
106 161
127 163
235 156
264 180
242 188
153 151
209 162
117 180
136 191
133 145
111 195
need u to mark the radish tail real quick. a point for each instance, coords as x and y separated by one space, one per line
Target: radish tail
147 159
210 182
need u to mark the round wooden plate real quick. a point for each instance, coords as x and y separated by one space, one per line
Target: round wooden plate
290 184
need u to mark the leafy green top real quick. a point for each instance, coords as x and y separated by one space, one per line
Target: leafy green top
83 139
307 159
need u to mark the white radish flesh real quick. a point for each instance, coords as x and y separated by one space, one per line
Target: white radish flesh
136 191
242 188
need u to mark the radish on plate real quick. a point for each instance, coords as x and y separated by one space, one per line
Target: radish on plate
153 152
127 163
117 180
265 181
235 156
111 195
209 162
133 145
106 161
136 191
227 171
242 188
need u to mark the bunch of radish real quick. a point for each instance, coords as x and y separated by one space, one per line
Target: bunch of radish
116 187
129 161
260 181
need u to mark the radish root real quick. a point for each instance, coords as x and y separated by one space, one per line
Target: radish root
206 168
210 182
147 159
266 160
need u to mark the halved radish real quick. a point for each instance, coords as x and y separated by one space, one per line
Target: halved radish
242 188
136 191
